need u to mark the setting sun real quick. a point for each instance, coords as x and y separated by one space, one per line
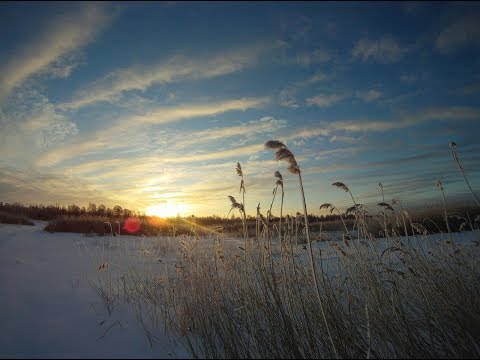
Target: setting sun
166 210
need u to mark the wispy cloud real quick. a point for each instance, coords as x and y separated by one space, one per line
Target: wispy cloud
178 68
107 139
288 96
304 58
461 33
369 95
292 55
264 126
407 120
165 115
408 78
384 50
336 129
323 101
33 187
471 88
53 51
29 125
216 155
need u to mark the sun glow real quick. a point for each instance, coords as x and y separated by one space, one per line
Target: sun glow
166 210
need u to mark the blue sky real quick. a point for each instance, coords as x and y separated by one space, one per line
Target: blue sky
152 104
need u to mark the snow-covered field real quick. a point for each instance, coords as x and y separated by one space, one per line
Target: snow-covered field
49 310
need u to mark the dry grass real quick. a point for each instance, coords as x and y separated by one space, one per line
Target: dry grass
409 295
7 218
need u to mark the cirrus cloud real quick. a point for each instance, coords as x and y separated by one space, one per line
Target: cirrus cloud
55 47
384 50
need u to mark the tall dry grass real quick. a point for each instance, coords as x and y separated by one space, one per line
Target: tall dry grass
410 294
7 218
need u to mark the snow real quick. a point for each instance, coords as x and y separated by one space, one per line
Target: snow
49 310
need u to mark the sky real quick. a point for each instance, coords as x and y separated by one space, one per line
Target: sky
150 105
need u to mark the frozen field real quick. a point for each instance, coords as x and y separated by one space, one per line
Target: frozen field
48 309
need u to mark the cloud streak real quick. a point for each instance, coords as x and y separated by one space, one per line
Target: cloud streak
176 69
461 33
52 51
107 138
384 50
369 95
324 101
30 125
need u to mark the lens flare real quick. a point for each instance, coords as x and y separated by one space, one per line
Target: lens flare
132 225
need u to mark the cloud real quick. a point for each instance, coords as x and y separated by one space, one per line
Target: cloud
168 165
287 96
107 139
54 48
324 100
471 88
264 126
463 32
409 79
406 120
222 154
178 68
384 50
448 113
317 56
412 7
369 95
309 133
345 139
296 27
30 125
33 187
165 115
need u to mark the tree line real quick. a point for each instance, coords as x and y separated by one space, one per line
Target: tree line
50 212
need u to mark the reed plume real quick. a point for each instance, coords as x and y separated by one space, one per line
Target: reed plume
345 188
282 152
439 185
453 146
386 206
279 182
235 205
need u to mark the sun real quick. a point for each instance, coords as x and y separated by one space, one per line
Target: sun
166 210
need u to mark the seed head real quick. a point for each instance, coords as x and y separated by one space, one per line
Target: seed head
283 153
239 169
341 186
439 184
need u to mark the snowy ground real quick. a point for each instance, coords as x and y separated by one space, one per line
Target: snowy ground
49 310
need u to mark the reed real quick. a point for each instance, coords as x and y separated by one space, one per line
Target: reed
378 299
283 153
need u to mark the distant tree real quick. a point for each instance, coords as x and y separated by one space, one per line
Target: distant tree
117 210
127 213
73 210
92 209
102 210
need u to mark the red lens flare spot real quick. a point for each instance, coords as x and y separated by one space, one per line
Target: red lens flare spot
132 225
